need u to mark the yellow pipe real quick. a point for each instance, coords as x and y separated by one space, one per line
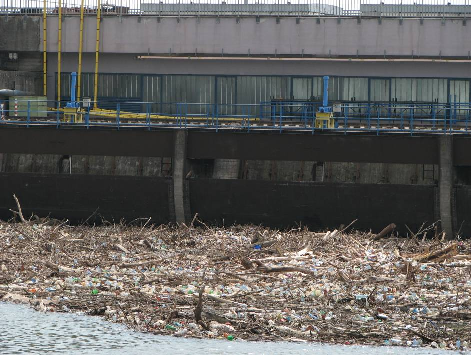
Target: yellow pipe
44 50
97 49
79 76
59 50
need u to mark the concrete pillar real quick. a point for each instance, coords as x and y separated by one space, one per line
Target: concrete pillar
181 199
445 187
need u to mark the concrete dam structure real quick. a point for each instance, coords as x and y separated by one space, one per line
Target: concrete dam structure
168 111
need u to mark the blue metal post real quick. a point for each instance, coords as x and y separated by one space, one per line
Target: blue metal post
28 114
444 119
325 98
58 114
87 117
118 108
377 124
186 115
216 108
248 118
281 115
369 116
345 113
73 87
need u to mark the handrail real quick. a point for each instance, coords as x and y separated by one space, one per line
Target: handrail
300 8
377 117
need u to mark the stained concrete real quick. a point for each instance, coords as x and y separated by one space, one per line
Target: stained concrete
226 168
20 80
20 33
341 177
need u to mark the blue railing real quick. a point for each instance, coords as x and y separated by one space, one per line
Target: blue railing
277 115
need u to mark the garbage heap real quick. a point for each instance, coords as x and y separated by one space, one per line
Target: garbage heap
247 282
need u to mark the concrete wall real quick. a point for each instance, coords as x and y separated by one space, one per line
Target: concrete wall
83 164
316 205
18 34
210 35
268 170
19 80
81 197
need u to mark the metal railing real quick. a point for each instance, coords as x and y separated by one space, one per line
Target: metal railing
410 118
299 8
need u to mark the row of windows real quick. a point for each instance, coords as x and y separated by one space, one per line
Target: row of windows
228 90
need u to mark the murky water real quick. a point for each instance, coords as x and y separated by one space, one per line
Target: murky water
25 331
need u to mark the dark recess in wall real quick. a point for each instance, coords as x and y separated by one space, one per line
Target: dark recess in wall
315 205
76 197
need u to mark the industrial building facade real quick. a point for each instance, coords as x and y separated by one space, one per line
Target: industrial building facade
143 66
252 89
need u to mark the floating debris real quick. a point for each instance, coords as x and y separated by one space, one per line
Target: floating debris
246 282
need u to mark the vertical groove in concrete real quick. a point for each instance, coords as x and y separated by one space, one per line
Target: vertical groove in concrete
446 184
180 191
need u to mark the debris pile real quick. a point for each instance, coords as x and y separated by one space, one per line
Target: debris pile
246 282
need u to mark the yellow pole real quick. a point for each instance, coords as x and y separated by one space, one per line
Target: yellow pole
59 50
44 49
97 49
79 75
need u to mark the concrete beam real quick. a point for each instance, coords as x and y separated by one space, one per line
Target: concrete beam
445 187
86 142
287 36
180 183
317 147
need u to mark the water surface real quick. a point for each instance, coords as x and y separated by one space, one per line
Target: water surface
25 331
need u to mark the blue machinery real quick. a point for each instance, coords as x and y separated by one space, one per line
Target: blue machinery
325 116
72 107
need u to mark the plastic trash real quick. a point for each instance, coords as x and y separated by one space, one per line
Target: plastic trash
396 341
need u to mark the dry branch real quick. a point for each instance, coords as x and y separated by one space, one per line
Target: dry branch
20 212
388 229
267 269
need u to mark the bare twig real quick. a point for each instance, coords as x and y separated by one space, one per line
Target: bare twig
20 212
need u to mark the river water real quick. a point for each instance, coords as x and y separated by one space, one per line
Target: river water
25 331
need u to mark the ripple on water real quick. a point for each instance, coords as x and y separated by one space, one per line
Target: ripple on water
25 331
